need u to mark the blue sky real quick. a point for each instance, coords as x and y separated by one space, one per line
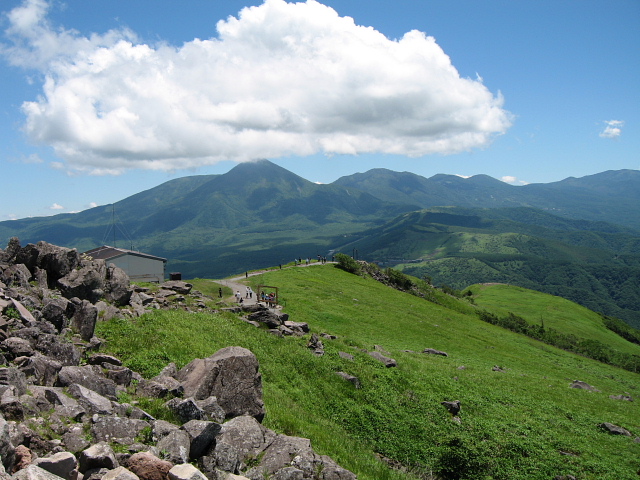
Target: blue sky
104 99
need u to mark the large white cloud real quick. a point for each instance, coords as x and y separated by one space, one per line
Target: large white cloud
281 79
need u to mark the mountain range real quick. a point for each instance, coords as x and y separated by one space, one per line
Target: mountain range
259 214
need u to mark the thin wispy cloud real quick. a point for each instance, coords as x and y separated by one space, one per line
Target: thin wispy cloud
280 79
32 159
613 129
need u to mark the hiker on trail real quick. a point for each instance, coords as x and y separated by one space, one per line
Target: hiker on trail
250 292
238 296
220 292
246 294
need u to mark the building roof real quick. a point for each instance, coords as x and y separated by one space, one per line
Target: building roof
106 252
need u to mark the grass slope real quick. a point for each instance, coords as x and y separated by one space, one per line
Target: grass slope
522 423
550 311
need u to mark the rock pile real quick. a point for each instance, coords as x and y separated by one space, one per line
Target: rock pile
60 417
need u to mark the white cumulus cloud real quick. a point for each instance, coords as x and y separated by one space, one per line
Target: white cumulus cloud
56 206
613 129
280 79
513 180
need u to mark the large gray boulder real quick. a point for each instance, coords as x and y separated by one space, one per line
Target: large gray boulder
84 319
62 464
284 450
87 282
231 375
100 455
91 401
122 430
64 352
34 472
56 261
89 376
175 447
7 450
14 347
117 286
201 435
58 311
42 370
241 439
15 275
186 471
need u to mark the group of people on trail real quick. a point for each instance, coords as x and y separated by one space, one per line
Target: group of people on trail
268 298
307 261
248 294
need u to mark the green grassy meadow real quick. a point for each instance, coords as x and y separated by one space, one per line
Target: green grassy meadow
555 312
520 423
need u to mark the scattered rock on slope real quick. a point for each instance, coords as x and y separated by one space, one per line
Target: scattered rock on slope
49 293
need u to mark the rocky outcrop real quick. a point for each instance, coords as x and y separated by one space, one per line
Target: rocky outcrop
60 417
231 375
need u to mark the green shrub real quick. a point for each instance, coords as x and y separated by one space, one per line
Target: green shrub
399 279
348 264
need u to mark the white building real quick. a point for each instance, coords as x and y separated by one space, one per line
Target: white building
139 266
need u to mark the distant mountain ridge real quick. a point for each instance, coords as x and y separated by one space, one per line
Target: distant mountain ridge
473 229
260 214
611 196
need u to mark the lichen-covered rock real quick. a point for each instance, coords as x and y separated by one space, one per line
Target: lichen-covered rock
185 409
89 376
121 430
175 446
